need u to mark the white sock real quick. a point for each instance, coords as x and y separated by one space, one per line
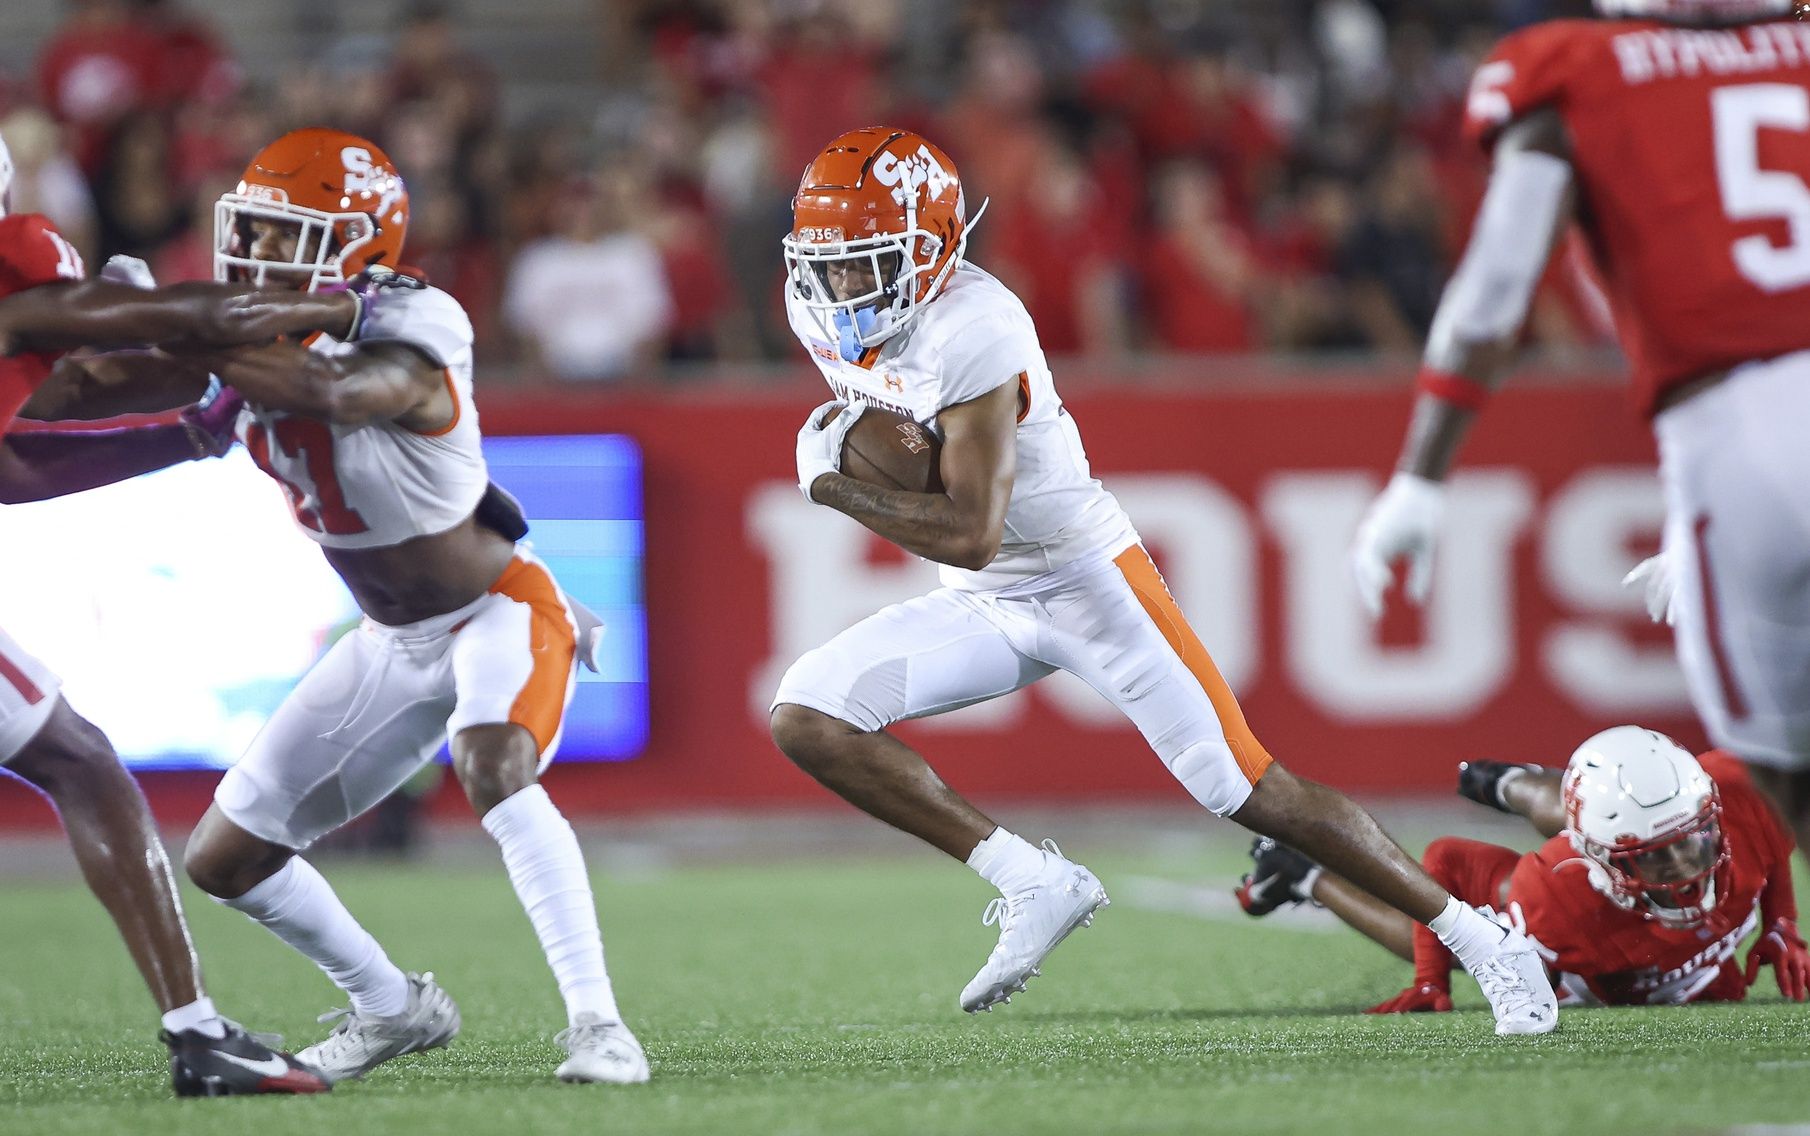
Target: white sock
1304 890
1010 863
299 907
1467 933
198 1015
547 869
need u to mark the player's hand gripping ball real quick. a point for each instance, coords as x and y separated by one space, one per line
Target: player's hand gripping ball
893 452
820 442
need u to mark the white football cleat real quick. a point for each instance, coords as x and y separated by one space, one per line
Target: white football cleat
1520 994
601 1052
1032 923
360 1043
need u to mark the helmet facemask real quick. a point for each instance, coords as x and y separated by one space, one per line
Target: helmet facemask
898 272
324 243
1672 875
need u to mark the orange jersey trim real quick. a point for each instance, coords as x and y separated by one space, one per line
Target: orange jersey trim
1024 395
458 410
1147 583
541 703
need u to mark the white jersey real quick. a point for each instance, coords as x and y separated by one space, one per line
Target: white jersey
974 338
381 483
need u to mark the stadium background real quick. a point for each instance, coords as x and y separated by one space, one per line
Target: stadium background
1230 221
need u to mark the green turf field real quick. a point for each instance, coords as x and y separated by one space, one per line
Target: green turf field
820 998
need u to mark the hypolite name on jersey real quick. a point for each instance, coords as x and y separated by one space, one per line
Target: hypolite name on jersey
1672 53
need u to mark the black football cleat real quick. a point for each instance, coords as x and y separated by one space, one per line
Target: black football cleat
235 1065
1274 879
1481 781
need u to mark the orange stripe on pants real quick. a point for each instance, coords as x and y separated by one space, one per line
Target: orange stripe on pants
541 702
1147 583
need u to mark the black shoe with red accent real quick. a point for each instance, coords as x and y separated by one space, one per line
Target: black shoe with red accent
234 1065
1276 877
1481 781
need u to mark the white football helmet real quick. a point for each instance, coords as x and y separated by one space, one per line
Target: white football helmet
1648 822
1700 13
6 177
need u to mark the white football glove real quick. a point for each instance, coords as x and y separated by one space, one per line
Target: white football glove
130 270
820 446
1659 587
1402 523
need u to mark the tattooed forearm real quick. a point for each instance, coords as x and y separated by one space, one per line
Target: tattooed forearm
930 525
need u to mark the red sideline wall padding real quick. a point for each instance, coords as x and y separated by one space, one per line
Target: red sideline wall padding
1247 495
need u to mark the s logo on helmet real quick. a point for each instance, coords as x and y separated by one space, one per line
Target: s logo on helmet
909 174
363 175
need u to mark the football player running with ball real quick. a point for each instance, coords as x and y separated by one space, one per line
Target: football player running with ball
371 431
1679 140
1042 571
1656 867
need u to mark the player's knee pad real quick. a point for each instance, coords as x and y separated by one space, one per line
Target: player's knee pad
1211 775
824 681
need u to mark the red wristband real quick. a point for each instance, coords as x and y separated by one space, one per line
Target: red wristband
1466 394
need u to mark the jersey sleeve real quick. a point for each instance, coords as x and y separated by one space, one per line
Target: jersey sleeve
32 252
1528 70
986 354
423 317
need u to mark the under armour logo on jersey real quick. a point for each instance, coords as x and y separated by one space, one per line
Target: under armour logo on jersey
894 383
909 174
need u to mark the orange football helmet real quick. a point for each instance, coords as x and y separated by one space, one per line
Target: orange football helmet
340 192
879 213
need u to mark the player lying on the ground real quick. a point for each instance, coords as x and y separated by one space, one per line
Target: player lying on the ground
1676 141
371 430
46 308
1042 571
1642 899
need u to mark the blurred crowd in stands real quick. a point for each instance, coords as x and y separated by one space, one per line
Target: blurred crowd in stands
1165 176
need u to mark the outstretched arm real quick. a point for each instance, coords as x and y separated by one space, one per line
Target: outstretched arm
964 524
39 466
68 314
88 387
1528 206
1538 796
377 382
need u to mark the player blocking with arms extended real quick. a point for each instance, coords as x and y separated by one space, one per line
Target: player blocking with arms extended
1042 571
47 307
371 431
1680 143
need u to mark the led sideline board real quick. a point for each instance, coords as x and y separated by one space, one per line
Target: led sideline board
180 607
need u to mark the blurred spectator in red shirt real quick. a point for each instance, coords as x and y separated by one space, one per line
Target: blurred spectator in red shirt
1061 251
991 129
818 80
113 58
1198 278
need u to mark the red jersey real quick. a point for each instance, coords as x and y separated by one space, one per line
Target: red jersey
32 252
1628 959
1692 152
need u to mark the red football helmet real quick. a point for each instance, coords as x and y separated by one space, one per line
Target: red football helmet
1698 13
339 193
878 224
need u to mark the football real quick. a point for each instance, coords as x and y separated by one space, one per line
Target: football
893 452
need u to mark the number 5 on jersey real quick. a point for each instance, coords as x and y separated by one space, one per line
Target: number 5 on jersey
305 446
